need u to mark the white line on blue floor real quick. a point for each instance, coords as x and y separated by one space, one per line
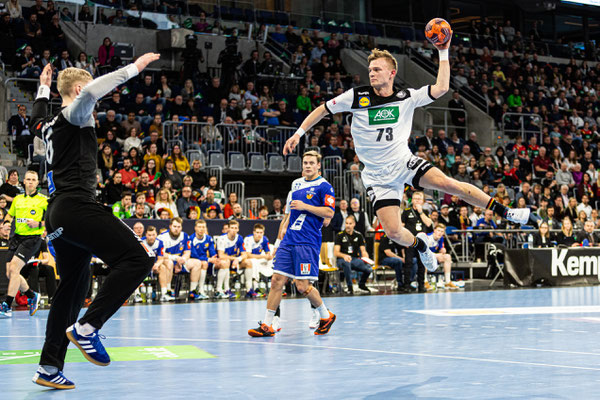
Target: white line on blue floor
401 353
557 351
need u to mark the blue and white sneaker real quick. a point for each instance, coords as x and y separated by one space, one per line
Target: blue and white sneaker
90 346
202 296
55 381
230 295
5 310
34 304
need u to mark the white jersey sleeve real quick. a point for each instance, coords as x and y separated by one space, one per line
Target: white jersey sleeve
288 202
421 97
341 103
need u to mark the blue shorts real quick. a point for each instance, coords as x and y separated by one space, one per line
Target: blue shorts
297 261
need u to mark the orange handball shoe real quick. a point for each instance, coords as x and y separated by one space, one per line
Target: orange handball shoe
263 330
325 324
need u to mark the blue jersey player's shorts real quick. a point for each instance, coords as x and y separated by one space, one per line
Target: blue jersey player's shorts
297 261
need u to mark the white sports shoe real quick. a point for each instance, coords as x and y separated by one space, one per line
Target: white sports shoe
276 325
137 298
166 297
314 320
427 258
518 215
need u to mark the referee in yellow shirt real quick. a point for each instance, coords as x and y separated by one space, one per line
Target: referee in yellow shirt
29 210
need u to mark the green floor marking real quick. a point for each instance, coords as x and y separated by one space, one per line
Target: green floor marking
139 353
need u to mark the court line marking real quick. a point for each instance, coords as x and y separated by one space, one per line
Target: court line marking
401 353
557 351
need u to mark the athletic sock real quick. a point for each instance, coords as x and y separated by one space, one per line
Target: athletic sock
447 277
227 276
193 286
9 300
323 311
221 278
163 291
498 208
269 314
278 311
29 293
85 329
420 245
248 276
202 280
47 369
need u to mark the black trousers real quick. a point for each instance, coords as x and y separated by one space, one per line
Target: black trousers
34 271
79 227
411 253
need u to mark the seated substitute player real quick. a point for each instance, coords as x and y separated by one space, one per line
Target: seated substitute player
177 253
392 255
29 210
258 256
203 252
230 247
436 244
311 201
349 249
381 128
157 246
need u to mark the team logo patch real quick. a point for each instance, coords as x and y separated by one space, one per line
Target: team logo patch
384 115
309 195
364 101
32 212
329 200
305 268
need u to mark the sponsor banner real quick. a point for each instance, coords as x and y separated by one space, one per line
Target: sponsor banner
552 266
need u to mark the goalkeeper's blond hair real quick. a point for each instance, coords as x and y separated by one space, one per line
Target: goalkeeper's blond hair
69 77
377 54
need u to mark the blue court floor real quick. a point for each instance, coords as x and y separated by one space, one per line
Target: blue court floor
525 344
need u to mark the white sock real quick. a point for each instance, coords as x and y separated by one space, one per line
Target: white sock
323 312
248 276
47 369
221 274
85 329
447 277
269 315
163 291
193 286
202 280
227 276
170 287
137 290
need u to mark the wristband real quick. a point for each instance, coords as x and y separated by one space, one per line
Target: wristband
300 132
443 55
43 92
277 242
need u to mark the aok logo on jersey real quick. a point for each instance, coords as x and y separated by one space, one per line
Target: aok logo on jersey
384 115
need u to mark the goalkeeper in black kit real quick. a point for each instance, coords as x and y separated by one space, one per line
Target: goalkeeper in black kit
78 225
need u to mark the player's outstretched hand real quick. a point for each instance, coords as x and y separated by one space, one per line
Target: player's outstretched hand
445 45
291 144
143 61
46 75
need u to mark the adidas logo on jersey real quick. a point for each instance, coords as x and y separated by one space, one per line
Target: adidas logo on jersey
385 115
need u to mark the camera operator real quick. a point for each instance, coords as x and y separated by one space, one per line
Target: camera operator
230 58
191 57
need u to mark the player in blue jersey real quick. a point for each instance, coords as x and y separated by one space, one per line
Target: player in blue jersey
311 201
151 241
202 252
177 254
435 241
230 247
257 259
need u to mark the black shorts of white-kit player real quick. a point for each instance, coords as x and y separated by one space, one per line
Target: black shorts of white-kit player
24 247
381 128
77 225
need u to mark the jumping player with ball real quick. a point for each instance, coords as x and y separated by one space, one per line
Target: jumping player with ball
381 127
